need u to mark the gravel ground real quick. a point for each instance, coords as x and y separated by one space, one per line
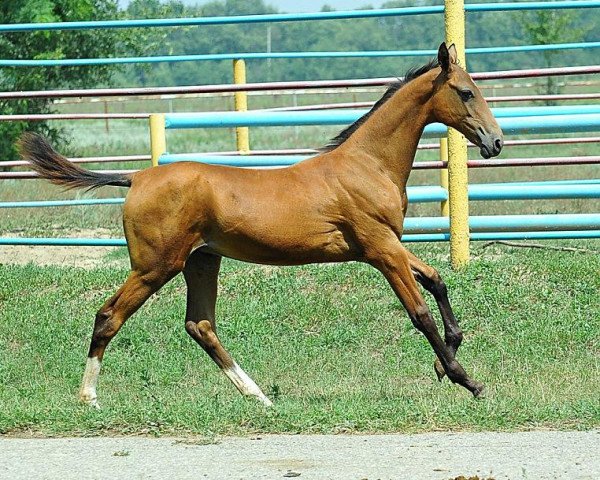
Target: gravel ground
482 456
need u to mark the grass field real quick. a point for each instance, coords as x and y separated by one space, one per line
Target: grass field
330 344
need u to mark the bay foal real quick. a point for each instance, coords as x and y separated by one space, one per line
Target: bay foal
348 203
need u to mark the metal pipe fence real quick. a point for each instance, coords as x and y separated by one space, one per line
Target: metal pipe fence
75 62
512 120
295 85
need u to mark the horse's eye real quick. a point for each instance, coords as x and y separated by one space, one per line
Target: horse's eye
466 95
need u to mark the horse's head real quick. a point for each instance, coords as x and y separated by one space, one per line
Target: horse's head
458 103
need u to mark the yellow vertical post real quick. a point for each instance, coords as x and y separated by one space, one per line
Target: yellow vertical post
454 19
158 139
242 134
444 206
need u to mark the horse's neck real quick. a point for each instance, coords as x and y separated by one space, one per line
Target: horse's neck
391 134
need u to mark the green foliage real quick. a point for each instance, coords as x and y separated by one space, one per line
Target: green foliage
547 27
53 45
393 33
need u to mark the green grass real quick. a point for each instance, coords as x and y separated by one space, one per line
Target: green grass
330 344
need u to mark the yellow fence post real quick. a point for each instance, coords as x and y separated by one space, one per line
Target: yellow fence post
158 140
242 134
454 19
444 206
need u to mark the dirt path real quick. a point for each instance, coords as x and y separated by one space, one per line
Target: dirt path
435 456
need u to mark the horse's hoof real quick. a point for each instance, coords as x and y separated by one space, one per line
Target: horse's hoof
479 391
89 401
439 370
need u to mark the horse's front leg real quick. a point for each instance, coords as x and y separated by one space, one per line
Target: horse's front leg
431 281
392 259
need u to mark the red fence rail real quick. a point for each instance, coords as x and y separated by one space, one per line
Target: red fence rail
255 87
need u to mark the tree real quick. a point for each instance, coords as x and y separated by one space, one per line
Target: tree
53 45
546 27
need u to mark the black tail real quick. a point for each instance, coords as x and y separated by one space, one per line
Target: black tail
51 165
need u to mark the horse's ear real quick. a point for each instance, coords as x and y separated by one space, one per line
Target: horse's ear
453 54
444 57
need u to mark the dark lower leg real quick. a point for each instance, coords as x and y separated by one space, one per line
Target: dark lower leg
201 273
423 321
431 281
395 266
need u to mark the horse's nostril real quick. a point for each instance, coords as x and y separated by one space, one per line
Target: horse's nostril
498 144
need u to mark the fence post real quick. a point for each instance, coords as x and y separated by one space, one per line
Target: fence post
444 205
106 127
241 105
158 140
458 197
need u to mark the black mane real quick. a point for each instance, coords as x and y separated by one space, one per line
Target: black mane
411 74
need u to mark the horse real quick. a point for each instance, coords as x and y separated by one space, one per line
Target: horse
347 203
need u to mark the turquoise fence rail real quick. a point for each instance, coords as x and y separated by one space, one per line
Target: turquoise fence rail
295 17
63 203
521 116
558 235
64 242
66 62
422 229
589 188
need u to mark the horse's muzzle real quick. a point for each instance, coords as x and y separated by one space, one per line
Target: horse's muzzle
491 146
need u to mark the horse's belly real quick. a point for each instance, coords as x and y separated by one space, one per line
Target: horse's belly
283 246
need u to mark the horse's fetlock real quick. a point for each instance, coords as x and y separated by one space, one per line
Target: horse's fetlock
202 331
204 327
454 337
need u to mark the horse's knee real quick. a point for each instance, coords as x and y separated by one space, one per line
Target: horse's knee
439 286
434 284
455 372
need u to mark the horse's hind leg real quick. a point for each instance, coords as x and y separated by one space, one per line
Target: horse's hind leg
110 318
430 279
201 272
